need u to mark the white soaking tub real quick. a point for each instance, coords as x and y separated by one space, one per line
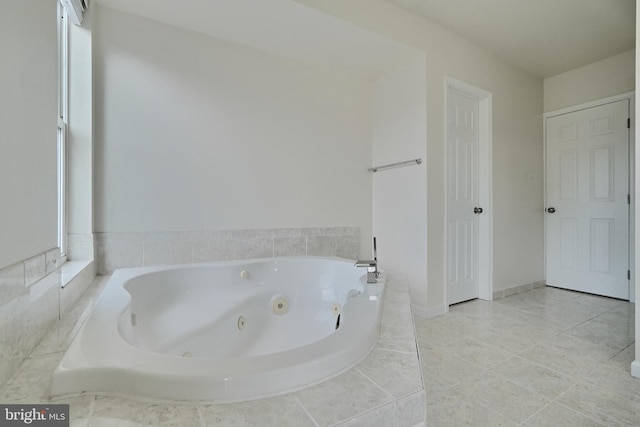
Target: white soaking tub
223 332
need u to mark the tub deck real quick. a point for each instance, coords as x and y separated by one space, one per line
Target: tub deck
384 389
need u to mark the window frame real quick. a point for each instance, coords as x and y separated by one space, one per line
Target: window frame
62 126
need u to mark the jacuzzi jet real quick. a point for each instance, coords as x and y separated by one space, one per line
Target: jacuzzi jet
336 309
280 305
241 323
244 274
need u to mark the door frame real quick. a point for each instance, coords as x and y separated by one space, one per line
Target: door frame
630 96
485 183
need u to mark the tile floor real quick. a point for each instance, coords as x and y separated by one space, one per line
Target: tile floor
546 357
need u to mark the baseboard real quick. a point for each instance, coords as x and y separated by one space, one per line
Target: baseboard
503 293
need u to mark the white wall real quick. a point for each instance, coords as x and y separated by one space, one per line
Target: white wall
611 76
28 111
195 133
29 283
400 194
517 143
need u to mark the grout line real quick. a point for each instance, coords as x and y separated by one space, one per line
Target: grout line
376 384
201 416
615 355
306 411
557 402
536 413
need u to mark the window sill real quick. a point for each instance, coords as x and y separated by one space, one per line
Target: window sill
71 269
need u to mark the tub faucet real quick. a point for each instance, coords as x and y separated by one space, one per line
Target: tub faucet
372 269
371 264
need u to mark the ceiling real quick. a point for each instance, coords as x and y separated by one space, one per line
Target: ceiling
544 37
282 27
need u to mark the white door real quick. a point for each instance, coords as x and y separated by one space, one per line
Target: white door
587 210
462 197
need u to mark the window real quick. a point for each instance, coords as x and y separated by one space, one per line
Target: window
63 65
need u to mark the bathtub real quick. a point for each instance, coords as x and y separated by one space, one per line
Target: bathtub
223 332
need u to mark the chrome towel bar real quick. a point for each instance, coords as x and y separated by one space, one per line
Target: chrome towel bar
396 165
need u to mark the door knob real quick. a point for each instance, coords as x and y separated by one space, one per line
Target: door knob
551 210
477 210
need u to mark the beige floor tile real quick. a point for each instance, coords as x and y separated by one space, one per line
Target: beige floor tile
453 409
569 352
446 368
397 373
515 339
326 404
532 376
572 366
128 410
610 335
477 353
438 334
31 383
554 415
614 381
284 411
601 406
510 400
171 415
622 361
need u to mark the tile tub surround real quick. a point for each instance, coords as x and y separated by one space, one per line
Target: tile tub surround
31 299
385 389
28 306
137 249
